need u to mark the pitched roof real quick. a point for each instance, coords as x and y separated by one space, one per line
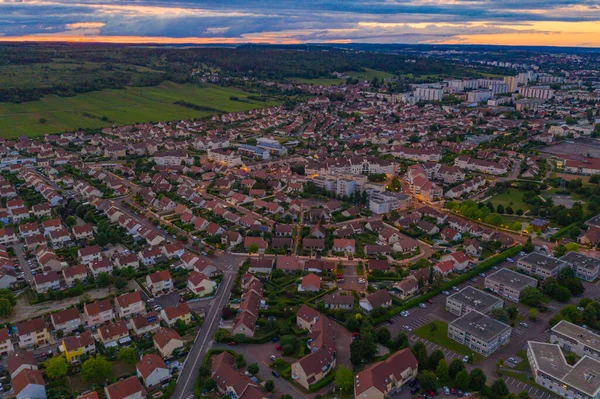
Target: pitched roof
26 377
149 363
379 375
165 335
123 389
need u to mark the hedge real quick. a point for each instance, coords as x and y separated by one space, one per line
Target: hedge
482 267
328 379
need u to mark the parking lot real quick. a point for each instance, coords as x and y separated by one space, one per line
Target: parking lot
519 386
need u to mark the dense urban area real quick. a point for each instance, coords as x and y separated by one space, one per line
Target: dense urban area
324 223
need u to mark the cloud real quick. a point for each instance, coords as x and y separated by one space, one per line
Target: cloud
292 21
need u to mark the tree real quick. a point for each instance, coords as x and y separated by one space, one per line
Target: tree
499 388
128 355
6 308
442 370
462 380
120 282
456 366
523 395
56 367
571 358
434 359
477 379
531 296
533 314
528 246
344 378
512 311
240 361
400 342
500 209
500 315
420 352
209 384
427 380
253 368
253 248
70 221
383 335
560 250
269 386
103 280
433 327
96 369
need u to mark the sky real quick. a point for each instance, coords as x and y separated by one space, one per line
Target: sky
503 22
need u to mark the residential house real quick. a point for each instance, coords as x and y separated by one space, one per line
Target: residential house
381 298
75 346
310 283
129 304
66 320
383 379
200 285
33 333
171 314
129 388
98 312
159 283
152 370
167 341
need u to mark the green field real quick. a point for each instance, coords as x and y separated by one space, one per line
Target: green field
440 337
117 107
369 74
512 197
322 81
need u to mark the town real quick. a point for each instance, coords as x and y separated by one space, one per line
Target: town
359 242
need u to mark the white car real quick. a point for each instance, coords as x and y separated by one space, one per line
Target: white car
465 359
404 313
273 357
422 305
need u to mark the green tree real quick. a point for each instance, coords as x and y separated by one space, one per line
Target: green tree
434 359
253 368
120 282
433 327
96 369
70 221
6 308
209 385
400 342
528 246
269 386
531 296
477 379
344 378
253 248
533 314
103 280
383 335
442 370
499 388
462 380
128 355
420 352
455 367
428 380
56 367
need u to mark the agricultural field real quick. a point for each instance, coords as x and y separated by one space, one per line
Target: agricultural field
322 81
54 114
369 74
512 197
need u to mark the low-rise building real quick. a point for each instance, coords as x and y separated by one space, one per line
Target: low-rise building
469 299
381 380
152 370
551 370
584 267
129 304
6 345
509 284
540 265
75 346
479 332
29 384
129 388
381 298
33 333
159 282
167 341
66 320
98 312
171 314
573 338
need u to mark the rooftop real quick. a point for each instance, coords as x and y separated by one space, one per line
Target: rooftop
542 261
578 333
475 298
512 279
479 325
581 261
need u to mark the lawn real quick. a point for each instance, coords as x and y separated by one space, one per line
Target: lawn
512 197
440 337
121 107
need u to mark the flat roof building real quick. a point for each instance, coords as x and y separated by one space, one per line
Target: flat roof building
551 370
469 299
508 283
540 265
576 339
585 267
479 332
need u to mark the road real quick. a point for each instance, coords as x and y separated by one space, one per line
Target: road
23 262
204 339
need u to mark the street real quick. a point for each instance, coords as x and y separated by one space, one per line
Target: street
204 339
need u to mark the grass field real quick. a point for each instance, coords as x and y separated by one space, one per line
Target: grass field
512 197
369 74
119 107
440 337
323 81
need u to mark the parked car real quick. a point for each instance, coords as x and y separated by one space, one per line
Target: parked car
430 301
412 383
465 359
422 305
232 343
466 394
446 390
278 347
275 374
482 274
455 288
510 260
445 293
495 267
512 360
404 313
524 325
407 328
273 357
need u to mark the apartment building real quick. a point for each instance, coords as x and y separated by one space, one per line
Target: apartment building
509 284
386 202
585 267
469 299
479 332
573 338
540 265
551 370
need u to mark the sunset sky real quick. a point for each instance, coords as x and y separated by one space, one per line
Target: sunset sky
515 22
